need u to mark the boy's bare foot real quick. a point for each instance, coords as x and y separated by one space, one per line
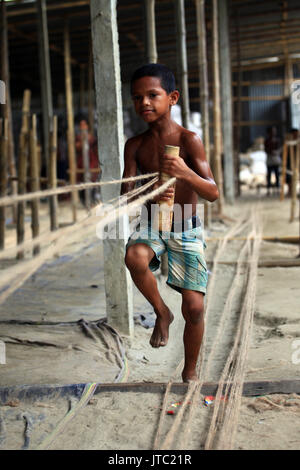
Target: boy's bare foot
189 376
160 333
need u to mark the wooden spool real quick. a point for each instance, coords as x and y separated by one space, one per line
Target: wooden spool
166 207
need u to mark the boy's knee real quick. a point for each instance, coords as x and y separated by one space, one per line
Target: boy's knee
193 312
136 259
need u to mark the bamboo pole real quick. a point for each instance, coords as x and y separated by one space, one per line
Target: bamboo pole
70 118
238 107
91 91
3 177
82 88
45 77
203 89
226 100
217 114
34 184
182 61
283 169
294 158
52 183
86 164
7 107
22 169
151 47
166 207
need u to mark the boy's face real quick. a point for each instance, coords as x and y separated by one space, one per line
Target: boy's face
151 101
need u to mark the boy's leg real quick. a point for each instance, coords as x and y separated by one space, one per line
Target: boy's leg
137 260
193 313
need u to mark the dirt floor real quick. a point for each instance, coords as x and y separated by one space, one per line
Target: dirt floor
70 287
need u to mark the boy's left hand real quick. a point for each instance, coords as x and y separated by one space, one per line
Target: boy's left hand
174 166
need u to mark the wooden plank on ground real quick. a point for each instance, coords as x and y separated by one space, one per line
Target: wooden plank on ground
209 388
38 392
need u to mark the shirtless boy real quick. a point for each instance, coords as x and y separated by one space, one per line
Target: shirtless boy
154 93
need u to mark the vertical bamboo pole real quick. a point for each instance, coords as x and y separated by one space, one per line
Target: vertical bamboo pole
34 184
151 47
91 91
293 160
45 77
298 182
217 114
238 107
203 89
166 207
82 88
70 119
283 169
3 178
86 165
7 107
182 56
52 182
226 100
203 74
22 169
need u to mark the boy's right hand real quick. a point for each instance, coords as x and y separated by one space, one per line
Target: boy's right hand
164 196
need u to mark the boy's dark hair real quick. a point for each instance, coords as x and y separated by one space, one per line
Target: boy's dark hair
160 71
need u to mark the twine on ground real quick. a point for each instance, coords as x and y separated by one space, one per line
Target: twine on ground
235 365
194 391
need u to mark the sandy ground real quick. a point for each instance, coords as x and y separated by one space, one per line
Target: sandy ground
129 420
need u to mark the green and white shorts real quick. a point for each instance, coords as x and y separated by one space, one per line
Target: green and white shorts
186 263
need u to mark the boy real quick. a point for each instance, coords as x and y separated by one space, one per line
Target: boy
153 92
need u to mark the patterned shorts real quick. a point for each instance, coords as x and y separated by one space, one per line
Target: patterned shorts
186 263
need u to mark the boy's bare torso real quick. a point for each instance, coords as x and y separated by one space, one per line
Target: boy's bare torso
149 150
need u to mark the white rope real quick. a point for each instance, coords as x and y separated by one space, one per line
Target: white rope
9 200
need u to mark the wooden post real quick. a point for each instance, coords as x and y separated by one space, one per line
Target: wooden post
34 184
118 284
203 90
226 100
217 114
91 99
52 180
45 78
294 158
3 177
7 107
166 207
22 169
70 119
151 48
86 165
82 88
238 117
182 57
283 169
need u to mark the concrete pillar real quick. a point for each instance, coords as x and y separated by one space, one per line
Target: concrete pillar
226 101
118 284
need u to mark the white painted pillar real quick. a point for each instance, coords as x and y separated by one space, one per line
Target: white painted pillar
118 284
